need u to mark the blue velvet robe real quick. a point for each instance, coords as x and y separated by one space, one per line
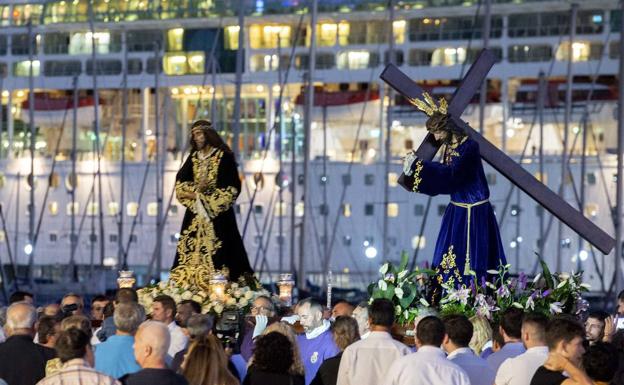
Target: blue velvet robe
468 222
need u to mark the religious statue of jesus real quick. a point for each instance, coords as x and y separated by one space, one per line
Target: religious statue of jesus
208 185
469 239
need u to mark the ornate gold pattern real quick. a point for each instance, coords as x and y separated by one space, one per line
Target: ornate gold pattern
198 243
447 266
417 179
450 150
429 106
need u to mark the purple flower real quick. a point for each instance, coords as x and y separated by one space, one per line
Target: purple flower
546 293
483 281
522 279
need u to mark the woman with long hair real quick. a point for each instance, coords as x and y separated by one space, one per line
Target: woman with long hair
208 185
272 361
345 331
206 363
285 329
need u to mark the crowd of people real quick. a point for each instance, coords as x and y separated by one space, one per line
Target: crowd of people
116 342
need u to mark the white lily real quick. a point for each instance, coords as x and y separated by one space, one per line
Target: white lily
424 302
382 285
398 292
384 268
555 308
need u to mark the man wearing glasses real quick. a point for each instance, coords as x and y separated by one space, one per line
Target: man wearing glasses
261 312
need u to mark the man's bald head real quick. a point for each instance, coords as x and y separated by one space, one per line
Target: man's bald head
21 318
342 308
151 343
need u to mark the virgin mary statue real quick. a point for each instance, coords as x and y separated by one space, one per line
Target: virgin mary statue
469 241
208 185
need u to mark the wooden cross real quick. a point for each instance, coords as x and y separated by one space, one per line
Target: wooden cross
495 157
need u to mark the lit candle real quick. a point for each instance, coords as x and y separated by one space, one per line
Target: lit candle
126 279
217 285
285 285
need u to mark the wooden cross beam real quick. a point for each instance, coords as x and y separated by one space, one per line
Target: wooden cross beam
495 157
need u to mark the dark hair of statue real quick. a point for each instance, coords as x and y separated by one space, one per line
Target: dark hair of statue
442 122
212 137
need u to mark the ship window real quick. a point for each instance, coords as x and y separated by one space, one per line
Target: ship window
133 238
53 237
132 209
173 210
355 60
346 210
2 236
135 66
581 51
280 209
53 208
441 210
346 240
113 238
591 210
419 210
80 43
73 208
22 68
591 178
299 209
113 209
323 209
152 209
143 41
231 37
529 53
393 210
62 68
258 209
369 209
279 238
491 178
346 179
448 56
93 209
93 238
419 57
369 179
393 179
268 36
418 242
104 67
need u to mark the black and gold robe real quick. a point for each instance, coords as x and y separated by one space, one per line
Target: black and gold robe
209 239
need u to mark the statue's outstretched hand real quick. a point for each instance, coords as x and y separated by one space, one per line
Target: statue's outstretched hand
408 160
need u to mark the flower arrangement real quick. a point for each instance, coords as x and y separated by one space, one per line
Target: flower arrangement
406 289
547 293
237 295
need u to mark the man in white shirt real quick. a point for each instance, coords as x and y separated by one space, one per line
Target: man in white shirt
366 361
164 310
429 365
361 316
459 332
510 328
521 369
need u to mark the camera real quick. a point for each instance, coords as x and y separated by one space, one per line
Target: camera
228 329
68 310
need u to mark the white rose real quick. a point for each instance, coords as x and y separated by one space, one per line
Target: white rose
202 293
218 308
214 297
187 295
176 297
249 295
402 274
162 285
234 285
147 301
206 308
230 301
197 298
238 293
397 310
243 302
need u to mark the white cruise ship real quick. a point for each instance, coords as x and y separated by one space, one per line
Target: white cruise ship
130 107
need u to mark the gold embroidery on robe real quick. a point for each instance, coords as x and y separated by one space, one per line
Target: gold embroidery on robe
198 243
417 178
447 265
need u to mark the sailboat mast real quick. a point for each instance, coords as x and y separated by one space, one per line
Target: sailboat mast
307 128
159 190
487 26
72 235
121 255
566 127
238 84
388 141
96 123
617 255
31 117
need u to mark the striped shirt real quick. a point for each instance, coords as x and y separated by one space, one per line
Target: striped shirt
78 372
